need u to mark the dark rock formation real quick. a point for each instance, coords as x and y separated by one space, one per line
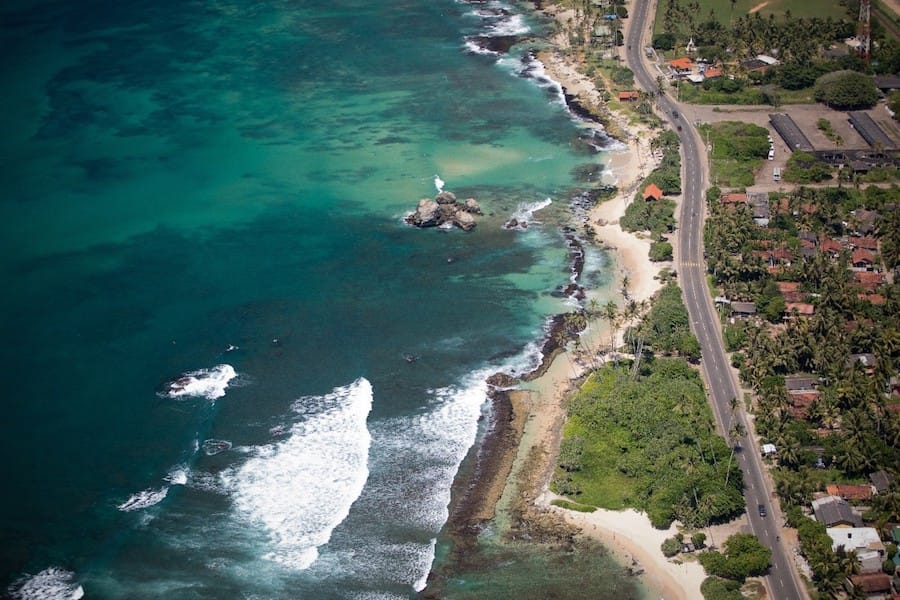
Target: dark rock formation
445 208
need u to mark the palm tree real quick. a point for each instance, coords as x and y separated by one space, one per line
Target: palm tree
735 434
611 314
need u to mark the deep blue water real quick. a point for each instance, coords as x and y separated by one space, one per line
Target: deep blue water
199 189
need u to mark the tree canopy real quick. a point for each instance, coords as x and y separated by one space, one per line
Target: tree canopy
846 90
744 556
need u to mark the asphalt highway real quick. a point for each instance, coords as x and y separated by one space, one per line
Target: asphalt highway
782 581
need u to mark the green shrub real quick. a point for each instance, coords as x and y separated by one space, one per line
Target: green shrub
670 547
660 251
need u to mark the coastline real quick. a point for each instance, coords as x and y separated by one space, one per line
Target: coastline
512 470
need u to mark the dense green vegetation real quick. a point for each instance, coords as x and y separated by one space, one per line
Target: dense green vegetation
803 167
738 149
744 556
716 588
666 328
649 443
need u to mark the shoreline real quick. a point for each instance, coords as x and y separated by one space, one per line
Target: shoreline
510 471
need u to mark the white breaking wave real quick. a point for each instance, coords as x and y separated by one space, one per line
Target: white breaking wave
144 499
178 475
301 488
52 583
508 25
203 383
439 183
524 213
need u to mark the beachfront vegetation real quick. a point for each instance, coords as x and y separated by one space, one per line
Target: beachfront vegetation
744 556
644 438
716 588
657 216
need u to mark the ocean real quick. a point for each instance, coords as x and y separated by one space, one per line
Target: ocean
232 369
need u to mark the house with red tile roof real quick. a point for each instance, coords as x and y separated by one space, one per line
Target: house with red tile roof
629 96
868 280
869 243
800 403
652 192
849 491
876 299
734 198
802 309
830 246
862 259
680 67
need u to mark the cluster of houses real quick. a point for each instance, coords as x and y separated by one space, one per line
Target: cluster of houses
697 71
860 246
839 509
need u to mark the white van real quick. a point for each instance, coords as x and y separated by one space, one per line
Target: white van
776 174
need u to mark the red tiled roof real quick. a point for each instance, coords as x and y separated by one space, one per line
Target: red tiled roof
628 96
868 280
830 245
871 583
713 72
652 191
788 286
801 307
733 197
864 242
682 63
849 491
795 297
876 299
861 255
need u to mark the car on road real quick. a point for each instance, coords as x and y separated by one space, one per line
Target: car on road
762 510
675 113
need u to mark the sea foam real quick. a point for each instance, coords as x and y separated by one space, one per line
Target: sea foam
144 499
203 383
52 583
300 488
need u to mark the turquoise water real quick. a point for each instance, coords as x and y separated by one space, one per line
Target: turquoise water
211 193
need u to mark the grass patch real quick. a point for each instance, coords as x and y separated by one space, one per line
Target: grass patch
738 151
573 506
724 12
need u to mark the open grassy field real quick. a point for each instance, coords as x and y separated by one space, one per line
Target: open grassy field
724 12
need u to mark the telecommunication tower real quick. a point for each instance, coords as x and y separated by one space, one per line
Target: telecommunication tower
864 29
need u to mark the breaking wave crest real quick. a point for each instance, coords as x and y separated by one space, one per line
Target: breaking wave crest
52 583
203 383
302 487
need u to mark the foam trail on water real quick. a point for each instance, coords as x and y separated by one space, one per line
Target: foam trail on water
144 499
301 488
439 183
52 583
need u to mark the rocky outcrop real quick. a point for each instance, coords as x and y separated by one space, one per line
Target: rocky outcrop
445 209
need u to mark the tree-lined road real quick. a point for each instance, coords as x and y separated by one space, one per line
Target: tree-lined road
782 579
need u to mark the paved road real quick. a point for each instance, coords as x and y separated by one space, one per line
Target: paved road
782 580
